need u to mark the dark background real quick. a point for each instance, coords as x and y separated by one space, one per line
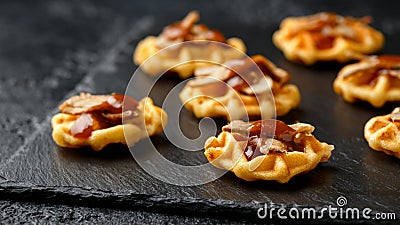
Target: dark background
50 50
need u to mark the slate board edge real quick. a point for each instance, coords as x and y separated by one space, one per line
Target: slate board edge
90 197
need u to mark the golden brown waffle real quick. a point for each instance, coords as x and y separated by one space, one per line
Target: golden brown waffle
179 32
375 79
326 37
148 121
274 157
219 99
383 133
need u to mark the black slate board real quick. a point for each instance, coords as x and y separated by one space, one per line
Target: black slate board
41 170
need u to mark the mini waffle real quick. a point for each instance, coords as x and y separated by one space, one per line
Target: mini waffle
96 121
217 91
383 133
326 37
375 79
180 58
266 150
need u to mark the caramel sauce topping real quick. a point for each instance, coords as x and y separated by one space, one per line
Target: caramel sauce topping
383 65
187 30
100 112
326 27
244 76
265 137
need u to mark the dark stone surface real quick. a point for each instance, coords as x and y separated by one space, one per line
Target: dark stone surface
12 212
54 49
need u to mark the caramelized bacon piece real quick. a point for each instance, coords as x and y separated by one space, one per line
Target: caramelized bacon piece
98 112
325 27
395 115
83 126
187 30
83 103
369 69
266 136
87 103
244 76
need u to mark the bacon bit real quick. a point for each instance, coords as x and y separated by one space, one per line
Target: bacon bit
83 103
203 81
205 71
389 61
395 116
379 65
325 27
266 137
243 75
98 112
191 18
268 68
120 116
237 126
187 30
366 19
87 103
83 126
355 68
260 86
